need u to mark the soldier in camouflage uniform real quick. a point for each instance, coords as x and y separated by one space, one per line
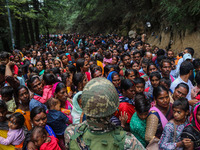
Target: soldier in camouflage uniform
99 101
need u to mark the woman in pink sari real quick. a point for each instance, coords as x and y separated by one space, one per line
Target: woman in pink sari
59 91
159 115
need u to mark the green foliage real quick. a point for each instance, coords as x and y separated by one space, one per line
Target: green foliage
104 15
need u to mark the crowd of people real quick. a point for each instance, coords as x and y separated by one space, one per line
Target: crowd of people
86 92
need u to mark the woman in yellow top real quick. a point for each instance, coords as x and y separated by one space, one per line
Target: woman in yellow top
23 99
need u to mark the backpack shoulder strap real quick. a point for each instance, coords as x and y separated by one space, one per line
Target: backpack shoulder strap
77 137
79 132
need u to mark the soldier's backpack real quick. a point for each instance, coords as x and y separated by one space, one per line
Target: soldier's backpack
83 139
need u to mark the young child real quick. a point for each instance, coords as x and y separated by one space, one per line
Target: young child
4 60
143 71
32 71
135 65
131 74
28 55
57 120
144 65
121 65
166 82
139 85
44 142
138 120
155 81
171 136
49 80
196 64
7 97
20 77
195 91
15 135
107 59
4 125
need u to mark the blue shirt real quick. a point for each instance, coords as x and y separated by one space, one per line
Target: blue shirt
58 121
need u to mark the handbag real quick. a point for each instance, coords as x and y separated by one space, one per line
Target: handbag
153 144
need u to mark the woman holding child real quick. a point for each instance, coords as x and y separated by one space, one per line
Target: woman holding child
39 119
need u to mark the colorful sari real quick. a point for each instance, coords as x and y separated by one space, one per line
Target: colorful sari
68 105
154 115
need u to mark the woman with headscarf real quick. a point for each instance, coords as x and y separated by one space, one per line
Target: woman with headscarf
115 79
77 110
191 133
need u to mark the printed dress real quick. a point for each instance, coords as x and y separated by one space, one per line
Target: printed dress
167 139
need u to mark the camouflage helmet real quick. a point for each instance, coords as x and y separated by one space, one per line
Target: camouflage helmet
99 98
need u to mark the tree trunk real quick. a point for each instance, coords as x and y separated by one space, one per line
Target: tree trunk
25 30
4 34
17 33
36 7
149 4
46 24
30 27
36 30
5 44
31 31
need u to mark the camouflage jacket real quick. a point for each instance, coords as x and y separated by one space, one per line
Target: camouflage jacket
131 143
